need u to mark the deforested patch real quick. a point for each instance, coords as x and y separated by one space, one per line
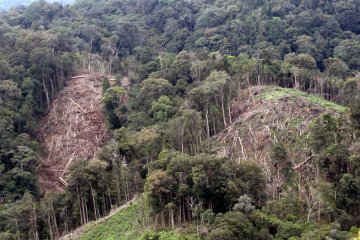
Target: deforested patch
74 129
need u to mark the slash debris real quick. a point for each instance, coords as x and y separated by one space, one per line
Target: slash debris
74 129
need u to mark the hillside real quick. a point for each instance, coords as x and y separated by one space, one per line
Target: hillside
127 223
234 119
271 115
74 129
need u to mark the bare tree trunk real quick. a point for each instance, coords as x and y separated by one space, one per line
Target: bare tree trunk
213 122
297 84
54 219
36 233
82 222
207 122
180 212
172 218
109 195
94 202
223 110
229 110
52 86
183 210
249 86
50 227
66 225
86 212
117 182
46 92
162 214
127 189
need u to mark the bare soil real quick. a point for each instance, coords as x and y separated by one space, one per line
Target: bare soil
74 129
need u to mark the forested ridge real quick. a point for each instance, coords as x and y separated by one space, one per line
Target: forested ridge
234 119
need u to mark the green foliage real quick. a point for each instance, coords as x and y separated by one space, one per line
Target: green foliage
278 93
126 224
348 50
349 187
181 88
162 109
352 98
152 89
231 225
286 230
123 225
280 161
203 180
113 106
165 235
323 132
326 232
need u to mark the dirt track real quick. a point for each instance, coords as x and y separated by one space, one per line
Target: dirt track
74 129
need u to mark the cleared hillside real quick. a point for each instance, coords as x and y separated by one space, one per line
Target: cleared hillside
269 116
74 129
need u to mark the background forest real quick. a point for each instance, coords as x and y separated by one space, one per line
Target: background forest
187 62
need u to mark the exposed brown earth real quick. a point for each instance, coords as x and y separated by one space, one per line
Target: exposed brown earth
74 129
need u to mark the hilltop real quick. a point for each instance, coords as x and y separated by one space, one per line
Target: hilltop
268 116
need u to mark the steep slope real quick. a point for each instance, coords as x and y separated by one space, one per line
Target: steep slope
271 115
73 129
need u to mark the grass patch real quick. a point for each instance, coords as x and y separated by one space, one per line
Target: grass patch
122 225
278 93
125 225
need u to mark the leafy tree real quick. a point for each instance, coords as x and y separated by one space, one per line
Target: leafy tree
162 109
348 50
113 100
352 98
348 190
152 89
231 225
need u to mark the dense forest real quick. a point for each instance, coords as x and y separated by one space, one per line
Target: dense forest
187 63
